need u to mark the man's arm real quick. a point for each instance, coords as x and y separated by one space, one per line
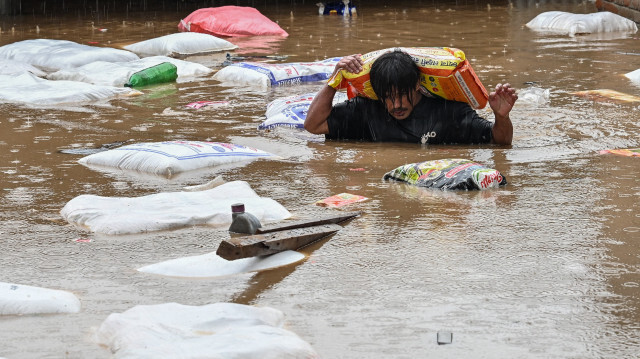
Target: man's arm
320 108
501 101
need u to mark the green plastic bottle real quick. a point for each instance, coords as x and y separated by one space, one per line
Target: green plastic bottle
160 73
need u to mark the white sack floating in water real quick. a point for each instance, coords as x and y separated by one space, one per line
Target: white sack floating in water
261 74
12 67
29 89
169 158
634 76
291 111
575 24
181 45
211 265
118 73
53 55
219 330
169 210
18 299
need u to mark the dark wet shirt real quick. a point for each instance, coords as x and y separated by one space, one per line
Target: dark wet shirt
432 121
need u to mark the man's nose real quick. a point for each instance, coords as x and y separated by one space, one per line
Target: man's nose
397 102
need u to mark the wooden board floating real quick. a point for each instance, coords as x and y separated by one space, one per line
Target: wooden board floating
274 242
335 219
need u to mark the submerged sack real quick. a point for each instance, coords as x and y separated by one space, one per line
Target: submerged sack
230 21
172 157
180 45
444 72
575 24
448 174
291 111
264 75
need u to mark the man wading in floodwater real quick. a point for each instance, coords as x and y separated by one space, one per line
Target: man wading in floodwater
403 113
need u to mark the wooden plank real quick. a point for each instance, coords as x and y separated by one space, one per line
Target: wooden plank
333 218
270 243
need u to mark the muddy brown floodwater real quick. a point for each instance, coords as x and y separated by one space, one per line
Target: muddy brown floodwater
546 267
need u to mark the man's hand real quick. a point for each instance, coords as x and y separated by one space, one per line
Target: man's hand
351 63
501 101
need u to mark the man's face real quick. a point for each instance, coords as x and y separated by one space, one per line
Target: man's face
400 107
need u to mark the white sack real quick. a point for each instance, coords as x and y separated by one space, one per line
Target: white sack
572 24
53 55
219 330
211 265
18 299
172 157
12 67
263 74
180 45
634 76
291 111
27 88
118 73
169 210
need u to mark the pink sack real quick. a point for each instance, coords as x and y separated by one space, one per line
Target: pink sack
230 21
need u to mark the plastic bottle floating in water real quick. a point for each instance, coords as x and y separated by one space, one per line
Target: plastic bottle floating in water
161 73
243 222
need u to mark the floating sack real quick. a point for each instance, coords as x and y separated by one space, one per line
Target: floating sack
119 73
575 24
53 55
181 45
444 72
27 88
211 265
448 174
605 95
291 111
219 330
12 67
263 74
534 96
172 157
168 210
634 76
230 21
630 152
18 299
158 74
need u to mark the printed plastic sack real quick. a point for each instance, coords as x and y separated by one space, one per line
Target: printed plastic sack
218 330
230 21
118 73
264 74
575 24
291 111
53 55
444 72
27 88
172 157
181 45
627 152
448 174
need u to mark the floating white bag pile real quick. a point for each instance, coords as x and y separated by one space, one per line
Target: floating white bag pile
169 158
291 111
52 55
168 210
264 74
220 330
574 24
29 89
181 45
118 73
12 67
18 299
211 265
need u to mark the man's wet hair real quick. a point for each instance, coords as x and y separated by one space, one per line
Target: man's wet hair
394 73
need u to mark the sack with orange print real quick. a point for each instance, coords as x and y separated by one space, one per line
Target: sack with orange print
444 72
